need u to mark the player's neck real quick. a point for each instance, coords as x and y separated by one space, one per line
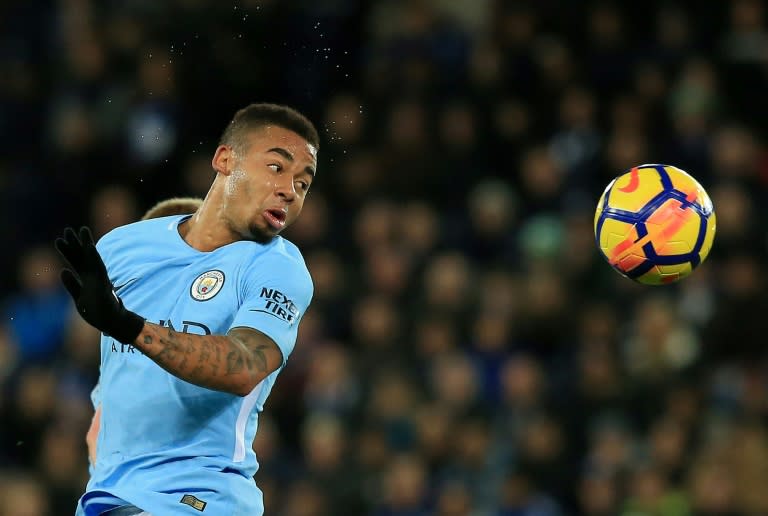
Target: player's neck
203 230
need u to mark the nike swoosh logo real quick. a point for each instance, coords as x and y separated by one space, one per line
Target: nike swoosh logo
282 318
118 288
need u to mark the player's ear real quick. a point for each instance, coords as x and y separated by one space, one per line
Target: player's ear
222 159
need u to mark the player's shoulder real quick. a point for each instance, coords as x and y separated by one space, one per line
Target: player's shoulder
276 250
279 256
141 227
286 252
285 249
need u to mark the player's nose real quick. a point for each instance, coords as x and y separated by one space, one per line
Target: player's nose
285 189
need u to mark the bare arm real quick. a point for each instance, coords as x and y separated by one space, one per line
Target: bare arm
93 434
233 363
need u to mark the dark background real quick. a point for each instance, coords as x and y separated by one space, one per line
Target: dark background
468 351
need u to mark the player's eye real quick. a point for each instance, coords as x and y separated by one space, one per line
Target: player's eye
276 167
303 185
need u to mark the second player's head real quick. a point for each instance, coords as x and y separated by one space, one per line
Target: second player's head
173 206
265 163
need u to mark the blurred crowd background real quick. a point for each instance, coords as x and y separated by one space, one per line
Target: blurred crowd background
468 352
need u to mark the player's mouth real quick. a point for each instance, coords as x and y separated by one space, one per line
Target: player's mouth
276 217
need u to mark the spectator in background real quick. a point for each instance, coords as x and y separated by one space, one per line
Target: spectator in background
23 495
112 207
38 314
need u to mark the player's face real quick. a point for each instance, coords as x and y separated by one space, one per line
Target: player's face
265 188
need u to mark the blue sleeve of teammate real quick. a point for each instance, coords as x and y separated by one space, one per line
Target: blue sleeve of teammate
275 296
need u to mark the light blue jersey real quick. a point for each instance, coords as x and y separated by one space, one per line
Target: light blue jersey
166 445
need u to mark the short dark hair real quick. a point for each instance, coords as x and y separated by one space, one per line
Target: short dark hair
258 115
173 206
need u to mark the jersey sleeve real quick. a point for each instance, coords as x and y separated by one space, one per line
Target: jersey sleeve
275 295
104 247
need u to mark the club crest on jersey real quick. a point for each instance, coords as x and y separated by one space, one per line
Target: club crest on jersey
207 285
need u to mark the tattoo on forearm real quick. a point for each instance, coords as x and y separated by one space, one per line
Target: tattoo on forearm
261 358
234 362
214 361
256 347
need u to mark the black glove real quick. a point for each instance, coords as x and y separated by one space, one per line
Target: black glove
87 281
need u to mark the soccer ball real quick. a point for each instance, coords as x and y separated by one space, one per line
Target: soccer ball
654 224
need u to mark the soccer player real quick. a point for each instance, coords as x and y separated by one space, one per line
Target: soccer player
198 314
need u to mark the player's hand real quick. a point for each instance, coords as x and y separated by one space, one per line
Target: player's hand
86 279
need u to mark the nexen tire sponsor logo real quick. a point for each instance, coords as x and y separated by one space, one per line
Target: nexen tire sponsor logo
277 305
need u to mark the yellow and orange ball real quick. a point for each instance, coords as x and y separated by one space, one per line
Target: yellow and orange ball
655 224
